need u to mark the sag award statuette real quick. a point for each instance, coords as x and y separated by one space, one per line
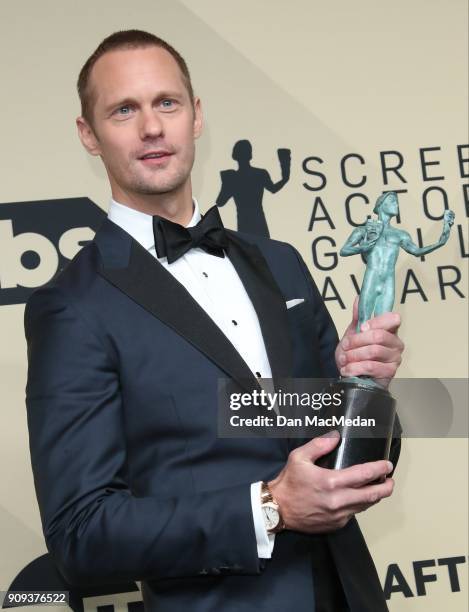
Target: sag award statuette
379 243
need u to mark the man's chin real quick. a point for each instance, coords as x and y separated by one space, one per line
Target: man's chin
153 191
156 189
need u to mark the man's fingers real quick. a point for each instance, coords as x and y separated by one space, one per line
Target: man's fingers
375 369
361 499
361 474
317 447
389 321
372 336
371 352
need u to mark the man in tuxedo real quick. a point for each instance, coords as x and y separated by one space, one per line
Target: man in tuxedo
125 350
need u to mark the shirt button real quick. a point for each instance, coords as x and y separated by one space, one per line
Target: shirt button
258 374
234 322
205 274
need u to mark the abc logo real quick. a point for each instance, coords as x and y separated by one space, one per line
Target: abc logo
38 239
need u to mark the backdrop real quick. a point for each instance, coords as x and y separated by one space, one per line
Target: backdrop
368 96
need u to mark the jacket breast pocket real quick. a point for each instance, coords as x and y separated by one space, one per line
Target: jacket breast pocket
301 312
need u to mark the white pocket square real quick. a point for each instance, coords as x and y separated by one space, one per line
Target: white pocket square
291 303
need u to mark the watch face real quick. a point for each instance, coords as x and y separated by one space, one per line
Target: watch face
271 516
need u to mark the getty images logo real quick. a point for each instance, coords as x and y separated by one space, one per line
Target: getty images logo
38 239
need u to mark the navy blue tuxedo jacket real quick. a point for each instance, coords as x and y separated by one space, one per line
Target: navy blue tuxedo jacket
132 481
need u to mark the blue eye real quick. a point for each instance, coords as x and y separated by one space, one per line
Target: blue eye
124 111
168 100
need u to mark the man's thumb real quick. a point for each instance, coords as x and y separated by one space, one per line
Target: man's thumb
355 310
352 327
323 444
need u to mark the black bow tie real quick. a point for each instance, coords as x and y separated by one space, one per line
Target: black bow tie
173 240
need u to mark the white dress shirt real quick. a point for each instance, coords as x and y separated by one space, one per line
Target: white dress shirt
214 283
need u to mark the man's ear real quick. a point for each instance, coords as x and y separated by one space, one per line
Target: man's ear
87 136
198 118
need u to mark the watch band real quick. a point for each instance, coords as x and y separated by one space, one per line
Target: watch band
268 498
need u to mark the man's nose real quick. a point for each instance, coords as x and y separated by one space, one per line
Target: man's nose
151 124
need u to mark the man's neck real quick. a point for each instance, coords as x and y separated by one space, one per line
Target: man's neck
177 207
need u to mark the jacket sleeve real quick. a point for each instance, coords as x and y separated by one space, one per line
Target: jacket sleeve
328 340
96 530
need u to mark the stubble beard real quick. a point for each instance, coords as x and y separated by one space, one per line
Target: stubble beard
154 181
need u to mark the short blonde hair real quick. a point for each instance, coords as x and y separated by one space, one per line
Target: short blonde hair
124 39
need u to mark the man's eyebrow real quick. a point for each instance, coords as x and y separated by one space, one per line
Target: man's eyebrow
161 96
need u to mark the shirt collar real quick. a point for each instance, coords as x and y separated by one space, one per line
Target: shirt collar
139 224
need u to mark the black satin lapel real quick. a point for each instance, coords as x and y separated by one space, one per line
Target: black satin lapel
268 302
149 284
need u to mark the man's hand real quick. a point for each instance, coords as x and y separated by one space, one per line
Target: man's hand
316 500
375 351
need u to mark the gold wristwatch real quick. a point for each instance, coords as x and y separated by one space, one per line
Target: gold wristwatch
270 511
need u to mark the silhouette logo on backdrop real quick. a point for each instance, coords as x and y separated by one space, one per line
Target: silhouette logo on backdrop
246 186
38 239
